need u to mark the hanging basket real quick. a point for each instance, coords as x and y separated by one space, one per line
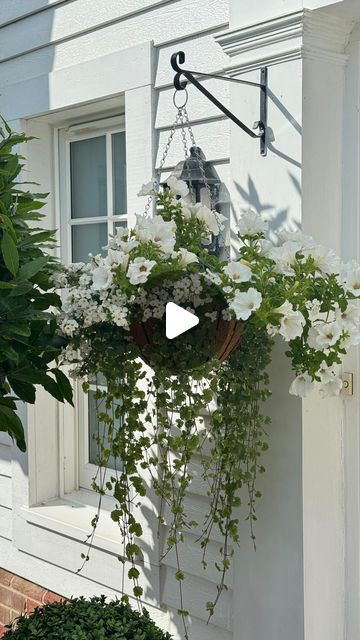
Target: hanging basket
210 339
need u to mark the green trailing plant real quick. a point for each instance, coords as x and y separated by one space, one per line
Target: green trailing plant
29 338
80 619
195 415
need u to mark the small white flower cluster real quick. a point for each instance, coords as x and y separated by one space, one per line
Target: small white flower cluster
187 292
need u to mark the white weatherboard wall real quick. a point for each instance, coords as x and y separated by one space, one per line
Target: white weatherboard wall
66 61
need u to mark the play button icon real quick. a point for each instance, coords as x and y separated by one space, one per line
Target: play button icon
178 320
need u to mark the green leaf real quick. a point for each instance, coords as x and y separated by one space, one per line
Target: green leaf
64 385
10 253
6 285
11 423
24 390
29 269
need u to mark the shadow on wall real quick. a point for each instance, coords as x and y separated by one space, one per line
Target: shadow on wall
276 217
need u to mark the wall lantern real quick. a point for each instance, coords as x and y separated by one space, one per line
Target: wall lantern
204 184
200 176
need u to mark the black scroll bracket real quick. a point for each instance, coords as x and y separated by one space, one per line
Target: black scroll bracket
261 124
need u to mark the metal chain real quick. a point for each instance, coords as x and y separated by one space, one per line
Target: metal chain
156 181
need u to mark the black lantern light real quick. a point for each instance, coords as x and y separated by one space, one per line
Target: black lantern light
204 184
200 176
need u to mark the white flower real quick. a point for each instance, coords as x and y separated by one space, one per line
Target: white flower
213 277
139 270
212 315
212 221
178 187
331 383
291 323
251 224
147 189
117 259
324 335
237 271
302 385
69 326
245 302
186 257
285 257
306 242
158 231
350 276
102 278
265 248
350 318
325 259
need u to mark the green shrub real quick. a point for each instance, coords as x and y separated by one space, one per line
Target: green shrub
29 339
80 619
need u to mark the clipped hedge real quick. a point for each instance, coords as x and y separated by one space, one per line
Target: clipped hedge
80 619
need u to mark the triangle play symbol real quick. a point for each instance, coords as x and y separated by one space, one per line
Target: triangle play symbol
178 320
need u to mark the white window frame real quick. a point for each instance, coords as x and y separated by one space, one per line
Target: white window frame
91 129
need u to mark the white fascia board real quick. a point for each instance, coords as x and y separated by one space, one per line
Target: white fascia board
80 83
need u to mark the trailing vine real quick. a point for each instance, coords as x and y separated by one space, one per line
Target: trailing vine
197 406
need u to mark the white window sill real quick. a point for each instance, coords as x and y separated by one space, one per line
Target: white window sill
71 516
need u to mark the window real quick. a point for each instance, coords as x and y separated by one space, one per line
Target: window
93 180
93 171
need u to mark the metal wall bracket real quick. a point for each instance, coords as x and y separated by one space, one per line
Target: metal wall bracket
261 124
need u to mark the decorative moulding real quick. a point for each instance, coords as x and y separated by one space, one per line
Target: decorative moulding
301 34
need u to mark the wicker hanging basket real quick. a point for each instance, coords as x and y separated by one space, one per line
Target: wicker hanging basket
227 337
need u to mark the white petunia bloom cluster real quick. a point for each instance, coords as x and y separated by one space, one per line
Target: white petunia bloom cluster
294 288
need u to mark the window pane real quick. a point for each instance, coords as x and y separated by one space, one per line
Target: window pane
98 430
119 172
88 238
88 178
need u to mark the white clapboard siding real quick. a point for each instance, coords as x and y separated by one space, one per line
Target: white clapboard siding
5 524
11 10
165 22
196 593
212 137
191 555
5 492
5 460
202 54
199 107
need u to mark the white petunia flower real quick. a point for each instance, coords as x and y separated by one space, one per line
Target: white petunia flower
186 257
237 271
101 278
291 323
325 259
251 224
158 231
139 269
147 189
350 318
306 242
245 302
117 259
350 277
178 187
302 385
324 335
331 383
285 257
211 220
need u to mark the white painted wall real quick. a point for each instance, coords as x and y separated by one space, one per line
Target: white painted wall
70 61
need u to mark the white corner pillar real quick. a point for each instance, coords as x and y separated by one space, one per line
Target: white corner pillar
296 585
